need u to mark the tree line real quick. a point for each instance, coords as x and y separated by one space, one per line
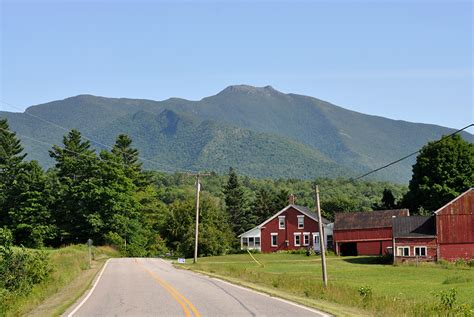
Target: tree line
107 196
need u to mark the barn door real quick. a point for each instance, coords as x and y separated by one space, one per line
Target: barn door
316 242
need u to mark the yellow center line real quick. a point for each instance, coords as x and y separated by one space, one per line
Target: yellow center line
176 295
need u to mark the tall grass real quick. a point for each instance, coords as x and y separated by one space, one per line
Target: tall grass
68 264
380 290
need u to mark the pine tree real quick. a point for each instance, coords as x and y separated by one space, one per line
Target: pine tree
130 158
264 204
281 200
10 161
75 206
388 201
31 220
236 205
24 197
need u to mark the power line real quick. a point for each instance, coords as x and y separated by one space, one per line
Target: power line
67 150
400 159
95 141
189 171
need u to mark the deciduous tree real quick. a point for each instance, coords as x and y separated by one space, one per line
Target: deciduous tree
442 171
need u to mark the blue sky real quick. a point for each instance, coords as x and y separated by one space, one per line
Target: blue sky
409 60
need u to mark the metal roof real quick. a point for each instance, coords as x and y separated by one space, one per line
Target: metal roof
367 219
414 227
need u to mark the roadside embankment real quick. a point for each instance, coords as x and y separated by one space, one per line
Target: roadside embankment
67 276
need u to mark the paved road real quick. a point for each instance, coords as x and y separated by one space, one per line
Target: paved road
153 287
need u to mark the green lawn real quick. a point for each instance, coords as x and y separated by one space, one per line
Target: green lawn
396 290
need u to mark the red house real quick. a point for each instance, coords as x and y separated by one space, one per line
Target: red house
365 233
291 228
455 228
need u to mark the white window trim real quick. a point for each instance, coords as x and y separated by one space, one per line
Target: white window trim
297 234
279 223
306 234
420 247
274 234
403 247
300 217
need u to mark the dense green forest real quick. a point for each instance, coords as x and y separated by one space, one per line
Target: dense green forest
109 198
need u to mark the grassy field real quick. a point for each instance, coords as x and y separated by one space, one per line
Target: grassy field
354 283
71 276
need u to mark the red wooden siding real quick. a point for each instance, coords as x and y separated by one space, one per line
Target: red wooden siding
455 228
363 234
291 226
373 241
456 251
455 221
373 247
429 243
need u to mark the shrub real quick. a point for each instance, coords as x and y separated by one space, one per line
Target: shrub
365 292
20 269
447 299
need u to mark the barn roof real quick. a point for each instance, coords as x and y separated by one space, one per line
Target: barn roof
414 227
367 219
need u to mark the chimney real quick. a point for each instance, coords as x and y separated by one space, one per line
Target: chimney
291 199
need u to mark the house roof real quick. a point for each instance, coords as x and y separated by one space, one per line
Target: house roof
452 201
414 227
304 210
367 219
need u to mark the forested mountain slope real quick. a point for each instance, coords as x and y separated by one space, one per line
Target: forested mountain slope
261 131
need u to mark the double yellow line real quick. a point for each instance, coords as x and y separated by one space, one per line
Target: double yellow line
185 304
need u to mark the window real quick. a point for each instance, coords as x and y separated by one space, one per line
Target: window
330 241
251 242
245 242
297 239
257 242
301 222
420 251
316 238
403 251
274 239
306 238
281 222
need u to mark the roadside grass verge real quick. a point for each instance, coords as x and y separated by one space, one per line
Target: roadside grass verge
357 286
70 277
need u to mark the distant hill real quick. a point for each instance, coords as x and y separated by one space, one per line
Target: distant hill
260 131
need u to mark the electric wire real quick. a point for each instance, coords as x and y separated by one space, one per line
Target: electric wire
95 141
398 160
189 171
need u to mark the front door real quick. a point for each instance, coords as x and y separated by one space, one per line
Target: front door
316 244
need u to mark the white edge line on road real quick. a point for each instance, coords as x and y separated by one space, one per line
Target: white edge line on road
90 291
321 313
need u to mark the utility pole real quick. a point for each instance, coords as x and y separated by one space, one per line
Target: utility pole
321 239
196 238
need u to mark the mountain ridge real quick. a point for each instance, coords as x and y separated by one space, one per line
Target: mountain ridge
312 128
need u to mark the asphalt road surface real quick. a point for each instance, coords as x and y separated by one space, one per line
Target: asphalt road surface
153 287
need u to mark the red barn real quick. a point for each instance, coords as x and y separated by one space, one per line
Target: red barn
455 228
365 233
293 227
415 238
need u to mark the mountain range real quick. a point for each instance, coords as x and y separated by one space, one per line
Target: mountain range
259 131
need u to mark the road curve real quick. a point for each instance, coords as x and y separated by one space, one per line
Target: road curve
153 287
